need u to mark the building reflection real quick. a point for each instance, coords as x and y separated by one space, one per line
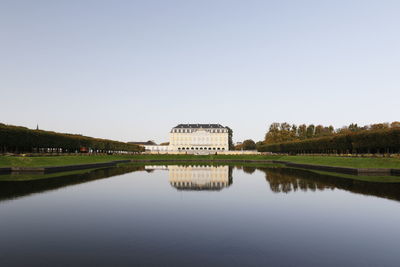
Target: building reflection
198 178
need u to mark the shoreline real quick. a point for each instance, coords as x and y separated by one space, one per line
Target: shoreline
334 169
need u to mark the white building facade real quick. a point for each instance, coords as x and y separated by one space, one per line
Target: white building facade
157 148
199 137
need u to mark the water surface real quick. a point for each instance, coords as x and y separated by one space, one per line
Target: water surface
199 216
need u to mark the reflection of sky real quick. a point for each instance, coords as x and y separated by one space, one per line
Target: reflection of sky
139 218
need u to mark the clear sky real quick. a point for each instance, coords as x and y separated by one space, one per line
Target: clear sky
131 70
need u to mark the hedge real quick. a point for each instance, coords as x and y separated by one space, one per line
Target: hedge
20 139
378 141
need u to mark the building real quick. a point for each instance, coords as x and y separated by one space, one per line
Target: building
148 143
151 146
199 138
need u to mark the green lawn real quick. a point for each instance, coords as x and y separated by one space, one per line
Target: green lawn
12 161
345 161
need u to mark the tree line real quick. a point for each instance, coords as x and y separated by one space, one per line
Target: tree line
16 139
246 145
375 138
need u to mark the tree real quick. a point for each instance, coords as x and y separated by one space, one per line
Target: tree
20 139
294 131
280 132
259 144
230 137
364 141
310 131
319 131
354 127
302 132
273 136
286 132
329 130
249 145
379 126
238 147
376 138
395 124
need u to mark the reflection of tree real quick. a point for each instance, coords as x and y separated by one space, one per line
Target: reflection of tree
11 189
285 180
248 169
230 175
281 181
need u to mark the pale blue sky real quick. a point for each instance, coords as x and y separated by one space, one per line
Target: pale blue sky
131 70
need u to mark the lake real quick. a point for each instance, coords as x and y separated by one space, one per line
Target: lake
198 216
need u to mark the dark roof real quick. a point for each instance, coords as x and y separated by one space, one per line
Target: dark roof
196 126
195 187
